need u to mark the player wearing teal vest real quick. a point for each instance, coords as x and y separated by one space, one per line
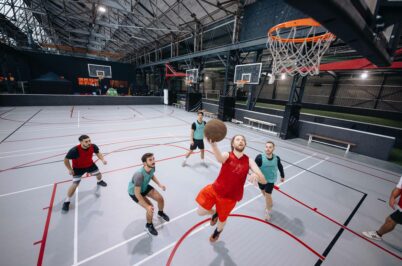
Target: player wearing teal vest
269 164
139 190
197 138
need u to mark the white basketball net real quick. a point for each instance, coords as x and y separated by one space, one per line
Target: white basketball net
293 55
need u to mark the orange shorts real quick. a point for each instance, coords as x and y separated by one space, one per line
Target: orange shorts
207 198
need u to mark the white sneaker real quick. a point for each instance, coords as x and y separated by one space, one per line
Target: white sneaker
373 235
267 215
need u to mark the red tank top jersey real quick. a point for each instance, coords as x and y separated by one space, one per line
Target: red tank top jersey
84 159
231 178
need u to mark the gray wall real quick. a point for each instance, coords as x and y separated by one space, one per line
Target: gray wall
49 100
369 144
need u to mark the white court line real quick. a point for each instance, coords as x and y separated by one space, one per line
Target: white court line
131 239
139 235
78 119
25 190
235 209
76 227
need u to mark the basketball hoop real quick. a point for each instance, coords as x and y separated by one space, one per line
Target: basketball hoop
189 82
240 83
297 46
100 74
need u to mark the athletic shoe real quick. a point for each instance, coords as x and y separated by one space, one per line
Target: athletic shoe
214 219
373 235
163 216
66 206
102 183
151 229
215 236
267 216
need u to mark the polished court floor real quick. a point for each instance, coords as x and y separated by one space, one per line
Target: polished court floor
319 211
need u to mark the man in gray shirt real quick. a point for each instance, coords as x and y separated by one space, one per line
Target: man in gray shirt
139 190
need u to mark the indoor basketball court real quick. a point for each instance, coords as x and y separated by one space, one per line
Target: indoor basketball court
123 122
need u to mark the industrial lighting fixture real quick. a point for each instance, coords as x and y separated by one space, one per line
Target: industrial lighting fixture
364 75
206 77
283 76
102 9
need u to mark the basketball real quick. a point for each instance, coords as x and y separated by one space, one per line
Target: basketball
215 130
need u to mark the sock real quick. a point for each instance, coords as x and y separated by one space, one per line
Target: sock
100 180
160 212
67 199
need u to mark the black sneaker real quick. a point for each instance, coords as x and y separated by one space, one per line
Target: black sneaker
102 183
151 229
163 216
214 219
215 236
66 206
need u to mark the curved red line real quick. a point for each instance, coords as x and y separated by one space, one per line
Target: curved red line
339 224
241 216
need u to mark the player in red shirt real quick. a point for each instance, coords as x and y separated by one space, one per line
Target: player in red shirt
228 188
81 155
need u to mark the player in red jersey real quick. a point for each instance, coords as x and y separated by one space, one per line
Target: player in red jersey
228 188
81 155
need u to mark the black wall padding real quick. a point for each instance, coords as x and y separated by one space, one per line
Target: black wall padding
226 109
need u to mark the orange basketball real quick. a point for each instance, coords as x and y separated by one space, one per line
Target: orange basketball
215 130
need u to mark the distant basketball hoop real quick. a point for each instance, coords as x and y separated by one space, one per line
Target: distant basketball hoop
297 46
100 74
240 83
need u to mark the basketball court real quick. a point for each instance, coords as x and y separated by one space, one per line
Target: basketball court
133 85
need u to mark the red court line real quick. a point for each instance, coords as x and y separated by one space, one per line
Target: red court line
247 217
106 144
49 214
45 231
337 223
346 166
94 133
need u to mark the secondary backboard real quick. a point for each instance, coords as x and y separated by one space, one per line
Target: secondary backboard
192 76
248 72
370 27
96 70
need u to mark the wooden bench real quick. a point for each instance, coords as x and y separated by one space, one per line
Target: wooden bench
179 105
210 115
347 143
260 124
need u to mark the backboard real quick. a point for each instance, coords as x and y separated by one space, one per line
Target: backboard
248 72
371 27
97 70
191 76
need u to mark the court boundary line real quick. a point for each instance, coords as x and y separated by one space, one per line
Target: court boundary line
191 232
20 127
236 208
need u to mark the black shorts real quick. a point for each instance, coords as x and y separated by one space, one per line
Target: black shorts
78 172
268 187
197 143
397 216
149 188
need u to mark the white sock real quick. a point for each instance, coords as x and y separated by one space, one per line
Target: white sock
67 199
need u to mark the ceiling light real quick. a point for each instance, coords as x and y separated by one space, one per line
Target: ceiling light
102 9
283 76
206 77
364 75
